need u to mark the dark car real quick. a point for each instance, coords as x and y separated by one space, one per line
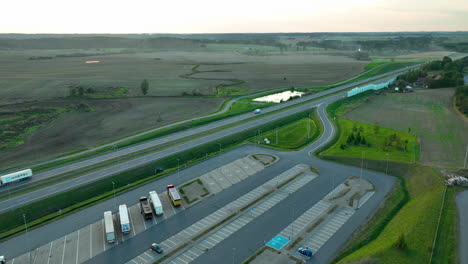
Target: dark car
305 251
157 248
158 170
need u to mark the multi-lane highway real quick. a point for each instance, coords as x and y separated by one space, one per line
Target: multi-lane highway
99 174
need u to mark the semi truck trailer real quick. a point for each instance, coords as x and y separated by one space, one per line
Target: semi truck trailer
124 220
15 176
156 202
109 227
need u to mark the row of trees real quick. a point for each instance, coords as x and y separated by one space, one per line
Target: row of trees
451 73
357 138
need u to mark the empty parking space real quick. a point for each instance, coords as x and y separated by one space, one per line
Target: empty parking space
301 223
70 248
321 236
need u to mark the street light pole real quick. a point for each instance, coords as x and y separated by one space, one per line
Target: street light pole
26 228
113 189
386 170
362 164
178 171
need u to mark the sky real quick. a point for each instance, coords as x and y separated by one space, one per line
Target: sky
240 16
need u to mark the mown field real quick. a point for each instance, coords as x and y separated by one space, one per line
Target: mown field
291 136
407 237
402 148
429 114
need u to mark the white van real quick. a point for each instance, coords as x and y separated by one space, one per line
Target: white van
154 198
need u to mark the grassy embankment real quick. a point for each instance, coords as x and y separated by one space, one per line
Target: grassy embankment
403 230
292 136
49 209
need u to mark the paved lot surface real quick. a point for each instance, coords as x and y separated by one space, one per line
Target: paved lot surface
239 221
462 204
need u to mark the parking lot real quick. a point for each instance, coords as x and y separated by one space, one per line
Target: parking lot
299 176
83 244
90 241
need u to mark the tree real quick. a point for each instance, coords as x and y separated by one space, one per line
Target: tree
363 141
376 128
409 130
401 243
144 87
80 91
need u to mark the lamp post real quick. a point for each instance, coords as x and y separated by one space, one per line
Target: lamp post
113 189
178 170
26 228
386 170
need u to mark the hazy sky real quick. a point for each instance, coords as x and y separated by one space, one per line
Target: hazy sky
204 16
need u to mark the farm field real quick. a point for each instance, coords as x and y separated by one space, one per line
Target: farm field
429 114
110 119
290 69
22 79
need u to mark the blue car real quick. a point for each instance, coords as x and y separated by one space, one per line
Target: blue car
305 251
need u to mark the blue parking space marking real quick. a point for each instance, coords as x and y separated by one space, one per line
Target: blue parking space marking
278 242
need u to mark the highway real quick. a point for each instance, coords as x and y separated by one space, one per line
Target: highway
99 174
261 229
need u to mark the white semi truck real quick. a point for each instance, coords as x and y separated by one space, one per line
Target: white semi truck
15 176
156 202
109 227
124 219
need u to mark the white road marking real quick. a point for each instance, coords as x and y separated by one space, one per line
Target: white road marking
77 246
50 251
90 241
63 251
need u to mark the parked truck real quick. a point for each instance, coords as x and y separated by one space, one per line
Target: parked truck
156 202
124 220
174 195
145 208
109 227
15 176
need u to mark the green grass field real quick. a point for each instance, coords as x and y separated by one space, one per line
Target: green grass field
416 221
375 151
293 135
